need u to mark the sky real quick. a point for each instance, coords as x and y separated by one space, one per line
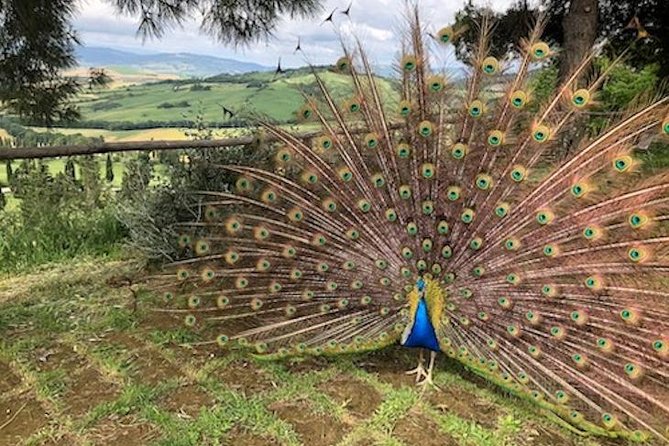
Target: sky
376 22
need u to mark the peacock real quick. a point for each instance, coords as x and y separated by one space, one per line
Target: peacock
442 217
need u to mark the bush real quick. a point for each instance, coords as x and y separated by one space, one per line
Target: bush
101 106
57 218
152 214
180 104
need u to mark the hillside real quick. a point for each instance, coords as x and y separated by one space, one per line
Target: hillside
183 65
170 103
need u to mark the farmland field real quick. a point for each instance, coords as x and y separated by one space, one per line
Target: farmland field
86 360
253 94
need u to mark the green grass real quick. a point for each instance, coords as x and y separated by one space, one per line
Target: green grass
74 307
277 98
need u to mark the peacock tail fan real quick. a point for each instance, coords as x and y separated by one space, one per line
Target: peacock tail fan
548 278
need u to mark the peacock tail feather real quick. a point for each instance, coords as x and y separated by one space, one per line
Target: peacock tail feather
546 277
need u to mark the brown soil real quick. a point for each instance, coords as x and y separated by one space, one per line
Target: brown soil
244 377
146 365
240 438
86 387
306 365
124 431
57 356
357 397
537 435
467 406
27 417
86 390
187 401
313 429
417 429
151 368
386 363
9 380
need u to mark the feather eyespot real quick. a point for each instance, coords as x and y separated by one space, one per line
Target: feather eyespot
490 65
495 138
459 151
405 108
427 245
518 99
403 150
540 50
427 207
409 63
445 35
476 109
580 98
343 64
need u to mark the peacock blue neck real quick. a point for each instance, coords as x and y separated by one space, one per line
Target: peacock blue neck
421 334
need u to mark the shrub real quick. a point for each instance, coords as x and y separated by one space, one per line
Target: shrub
56 219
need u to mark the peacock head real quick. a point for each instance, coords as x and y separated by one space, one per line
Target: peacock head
420 285
431 291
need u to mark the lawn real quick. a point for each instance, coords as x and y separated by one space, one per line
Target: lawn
85 360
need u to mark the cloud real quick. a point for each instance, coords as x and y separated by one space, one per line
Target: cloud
377 23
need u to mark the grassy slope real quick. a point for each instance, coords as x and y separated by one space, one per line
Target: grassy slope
78 366
278 99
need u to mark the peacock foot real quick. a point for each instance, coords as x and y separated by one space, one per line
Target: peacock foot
427 381
419 371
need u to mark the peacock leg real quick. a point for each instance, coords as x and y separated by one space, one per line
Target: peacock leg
420 370
428 376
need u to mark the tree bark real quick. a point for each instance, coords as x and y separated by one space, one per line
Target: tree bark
580 31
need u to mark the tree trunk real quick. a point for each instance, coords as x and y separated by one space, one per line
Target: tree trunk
579 26
580 31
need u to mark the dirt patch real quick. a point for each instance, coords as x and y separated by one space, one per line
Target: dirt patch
146 365
21 418
123 431
57 356
312 428
9 380
240 438
59 439
86 390
160 320
356 397
467 406
151 368
124 340
307 364
389 365
245 377
187 401
533 434
416 428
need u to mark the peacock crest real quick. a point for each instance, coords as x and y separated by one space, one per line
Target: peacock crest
546 276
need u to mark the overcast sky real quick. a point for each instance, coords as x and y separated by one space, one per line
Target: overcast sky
375 21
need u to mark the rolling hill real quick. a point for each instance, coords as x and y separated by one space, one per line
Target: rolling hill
182 64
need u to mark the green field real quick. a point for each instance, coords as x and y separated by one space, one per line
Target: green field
247 95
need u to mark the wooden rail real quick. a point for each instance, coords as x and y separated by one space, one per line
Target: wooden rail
129 146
